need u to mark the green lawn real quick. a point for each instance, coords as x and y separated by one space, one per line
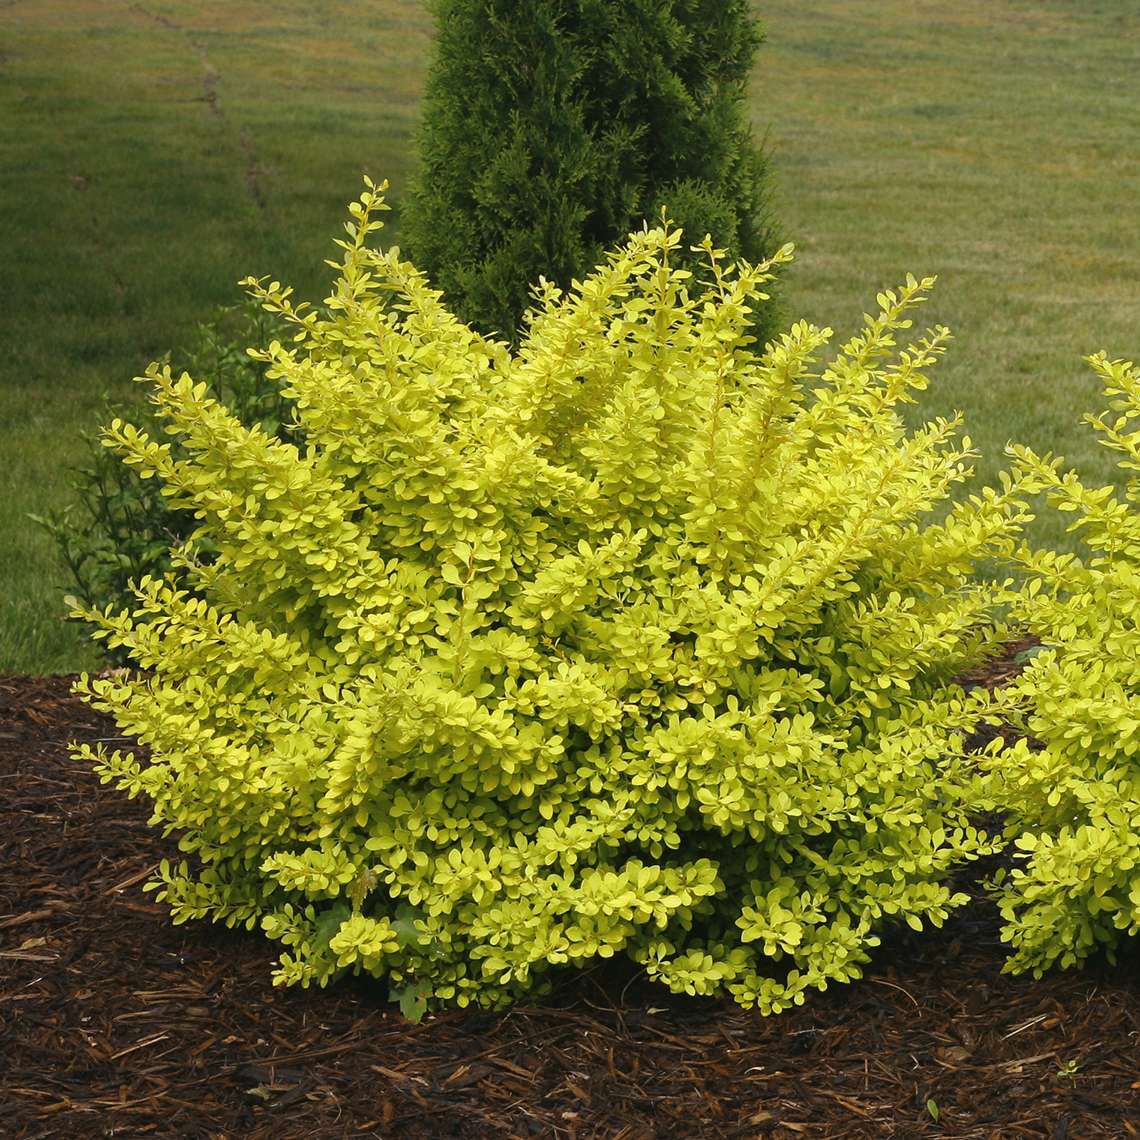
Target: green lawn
160 152
155 153
994 144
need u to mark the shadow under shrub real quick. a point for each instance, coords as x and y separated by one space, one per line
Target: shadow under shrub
629 641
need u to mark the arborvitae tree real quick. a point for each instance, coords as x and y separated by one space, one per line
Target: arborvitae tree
552 128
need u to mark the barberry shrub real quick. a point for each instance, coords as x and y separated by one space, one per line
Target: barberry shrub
631 641
552 128
119 527
1072 790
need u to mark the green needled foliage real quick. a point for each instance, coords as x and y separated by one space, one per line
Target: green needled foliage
631 641
1074 794
554 127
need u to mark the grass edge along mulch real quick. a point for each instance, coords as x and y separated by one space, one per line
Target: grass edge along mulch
113 1022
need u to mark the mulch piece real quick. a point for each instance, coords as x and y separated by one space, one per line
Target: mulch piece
113 1022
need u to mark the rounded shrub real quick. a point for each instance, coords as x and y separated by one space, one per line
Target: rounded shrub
632 641
552 128
1072 790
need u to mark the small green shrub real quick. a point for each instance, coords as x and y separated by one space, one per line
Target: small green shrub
631 641
1074 795
554 127
120 528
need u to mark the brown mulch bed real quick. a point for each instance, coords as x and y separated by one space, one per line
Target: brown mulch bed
113 1022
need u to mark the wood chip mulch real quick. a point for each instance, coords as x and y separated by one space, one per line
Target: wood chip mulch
113 1022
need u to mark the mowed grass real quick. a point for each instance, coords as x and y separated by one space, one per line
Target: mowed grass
993 143
156 153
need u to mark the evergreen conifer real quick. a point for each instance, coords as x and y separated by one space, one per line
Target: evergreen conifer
552 128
